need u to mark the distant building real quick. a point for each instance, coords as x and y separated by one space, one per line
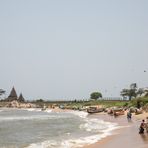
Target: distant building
21 98
13 96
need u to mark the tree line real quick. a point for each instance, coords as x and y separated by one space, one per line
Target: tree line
132 92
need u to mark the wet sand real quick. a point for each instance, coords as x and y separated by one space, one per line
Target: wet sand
126 137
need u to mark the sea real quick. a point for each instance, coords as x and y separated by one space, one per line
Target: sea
33 128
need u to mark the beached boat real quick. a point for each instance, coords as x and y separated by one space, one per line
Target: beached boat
138 112
116 111
92 110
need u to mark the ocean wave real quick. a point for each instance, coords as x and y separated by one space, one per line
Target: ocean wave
96 125
48 111
96 128
81 114
36 117
33 109
37 110
99 128
71 143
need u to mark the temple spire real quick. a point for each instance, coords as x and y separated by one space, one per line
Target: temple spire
13 95
21 98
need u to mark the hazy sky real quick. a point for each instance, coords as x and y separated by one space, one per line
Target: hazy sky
55 49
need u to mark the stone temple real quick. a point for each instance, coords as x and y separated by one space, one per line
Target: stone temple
13 96
21 98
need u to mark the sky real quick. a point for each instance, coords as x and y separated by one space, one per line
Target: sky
66 49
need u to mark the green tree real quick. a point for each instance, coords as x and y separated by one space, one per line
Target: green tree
131 92
124 92
40 100
140 91
146 93
2 92
95 95
133 86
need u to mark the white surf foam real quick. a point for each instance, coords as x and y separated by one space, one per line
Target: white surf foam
33 109
71 143
48 110
81 114
35 117
99 128
37 110
96 125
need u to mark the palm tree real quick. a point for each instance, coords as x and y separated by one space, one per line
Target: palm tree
124 93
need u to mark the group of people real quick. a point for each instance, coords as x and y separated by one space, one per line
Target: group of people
143 126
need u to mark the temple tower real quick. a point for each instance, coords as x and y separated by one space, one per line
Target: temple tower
21 98
13 95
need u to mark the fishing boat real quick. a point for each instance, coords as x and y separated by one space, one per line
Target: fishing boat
115 111
92 110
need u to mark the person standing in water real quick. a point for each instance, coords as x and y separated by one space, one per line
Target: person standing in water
129 115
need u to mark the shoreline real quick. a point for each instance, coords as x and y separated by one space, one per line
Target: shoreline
127 133
127 136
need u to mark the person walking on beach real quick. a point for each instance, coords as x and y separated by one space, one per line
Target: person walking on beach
142 126
129 115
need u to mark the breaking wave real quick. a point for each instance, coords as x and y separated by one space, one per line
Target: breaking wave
100 129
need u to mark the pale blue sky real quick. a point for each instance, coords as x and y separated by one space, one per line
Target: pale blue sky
55 49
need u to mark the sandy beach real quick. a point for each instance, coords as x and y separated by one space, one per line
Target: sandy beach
127 136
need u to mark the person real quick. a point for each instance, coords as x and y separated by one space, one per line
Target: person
129 115
142 126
